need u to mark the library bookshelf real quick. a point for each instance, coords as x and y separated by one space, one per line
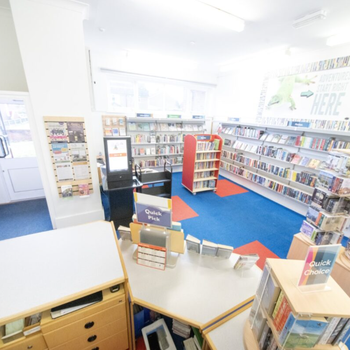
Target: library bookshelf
280 163
201 162
155 141
265 322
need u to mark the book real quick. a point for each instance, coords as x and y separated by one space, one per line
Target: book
337 330
282 314
331 325
83 190
342 334
67 191
193 244
258 323
209 248
245 262
224 251
75 305
13 328
270 296
303 333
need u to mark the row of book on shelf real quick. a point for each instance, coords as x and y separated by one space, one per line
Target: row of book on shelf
159 138
205 165
204 184
208 146
301 141
323 124
159 150
204 156
219 250
204 174
291 331
158 161
152 126
276 153
304 177
268 183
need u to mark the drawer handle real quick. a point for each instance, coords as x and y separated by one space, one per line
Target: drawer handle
30 347
97 348
89 325
92 338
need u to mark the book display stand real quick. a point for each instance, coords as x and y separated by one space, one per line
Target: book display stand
283 317
201 162
280 163
155 140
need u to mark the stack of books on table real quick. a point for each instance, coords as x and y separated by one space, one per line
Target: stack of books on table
181 329
208 248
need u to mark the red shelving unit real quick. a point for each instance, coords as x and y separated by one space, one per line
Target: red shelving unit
201 161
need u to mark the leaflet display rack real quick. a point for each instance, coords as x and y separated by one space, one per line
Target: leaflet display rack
201 162
69 153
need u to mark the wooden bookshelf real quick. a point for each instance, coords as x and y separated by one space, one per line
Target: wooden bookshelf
201 162
333 302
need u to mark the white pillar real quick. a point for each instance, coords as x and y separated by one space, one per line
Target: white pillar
51 41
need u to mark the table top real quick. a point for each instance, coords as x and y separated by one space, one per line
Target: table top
198 290
49 268
230 332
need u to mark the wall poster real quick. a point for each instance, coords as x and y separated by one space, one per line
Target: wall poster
311 93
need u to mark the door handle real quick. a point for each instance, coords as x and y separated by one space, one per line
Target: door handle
3 150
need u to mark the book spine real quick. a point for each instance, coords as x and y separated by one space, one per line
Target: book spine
278 304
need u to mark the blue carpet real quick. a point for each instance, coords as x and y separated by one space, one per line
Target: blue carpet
239 219
23 218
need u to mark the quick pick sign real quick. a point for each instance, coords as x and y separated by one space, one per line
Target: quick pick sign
153 210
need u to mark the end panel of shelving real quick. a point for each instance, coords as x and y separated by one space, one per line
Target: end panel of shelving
190 145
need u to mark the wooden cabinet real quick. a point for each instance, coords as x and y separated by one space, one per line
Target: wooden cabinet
32 342
89 326
99 326
78 261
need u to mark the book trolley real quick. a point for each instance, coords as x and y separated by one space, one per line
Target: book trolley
201 162
269 325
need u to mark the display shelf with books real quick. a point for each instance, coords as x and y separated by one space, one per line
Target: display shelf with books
328 217
159 140
291 156
283 317
201 162
266 182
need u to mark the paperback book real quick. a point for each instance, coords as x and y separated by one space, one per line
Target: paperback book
193 244
245 262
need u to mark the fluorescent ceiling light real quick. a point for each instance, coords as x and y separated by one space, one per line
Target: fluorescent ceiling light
309 19
218 16
338 39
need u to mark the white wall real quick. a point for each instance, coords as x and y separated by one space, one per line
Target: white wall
238 89
51 41
12 76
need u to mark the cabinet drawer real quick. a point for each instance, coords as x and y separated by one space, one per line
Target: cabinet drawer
32 342
48 324
96 336
88 325
117 342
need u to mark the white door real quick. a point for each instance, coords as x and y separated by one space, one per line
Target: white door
19 174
